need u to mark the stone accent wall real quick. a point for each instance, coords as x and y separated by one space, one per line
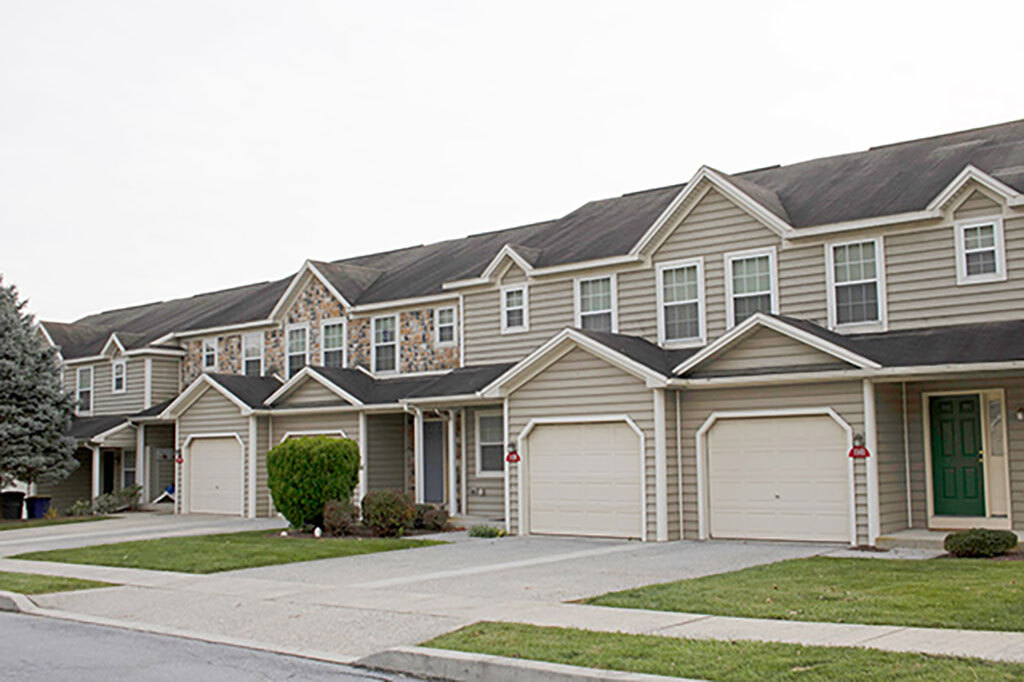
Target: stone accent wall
359 331
192 363
273 352
313 305
229 354
419 352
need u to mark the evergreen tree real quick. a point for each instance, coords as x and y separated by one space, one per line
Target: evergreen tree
35 410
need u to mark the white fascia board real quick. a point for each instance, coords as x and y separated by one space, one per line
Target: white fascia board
973 174
46 334
112 340
507 251
195 390
101 437
403 303
306 374
297 281
156 351
761 320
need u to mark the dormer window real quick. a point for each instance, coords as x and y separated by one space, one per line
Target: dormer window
514 309
118 376
83 392
209 354
980 252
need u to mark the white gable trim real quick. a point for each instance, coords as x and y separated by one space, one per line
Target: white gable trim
298 281
305 374
759 320
973 174
101 437
118 346
49 340
195 391
556 347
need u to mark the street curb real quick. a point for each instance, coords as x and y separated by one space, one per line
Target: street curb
16 602
461 666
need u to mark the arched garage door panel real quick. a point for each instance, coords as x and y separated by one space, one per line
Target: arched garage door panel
779 478
215 476
584 479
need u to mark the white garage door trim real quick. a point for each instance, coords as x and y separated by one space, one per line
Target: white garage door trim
703 508
187 464
333 433
523 478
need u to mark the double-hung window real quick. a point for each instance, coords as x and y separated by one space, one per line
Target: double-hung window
444 326
84 390
128 469
118 376
298 348
681 302
385 344
514 309
490 444
855 282
980 252
595 304
252 354
209 354
750 284
333 342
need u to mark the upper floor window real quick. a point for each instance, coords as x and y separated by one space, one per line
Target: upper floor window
856 291
298 348
980 252
209 353
252 354
750 284
490 444
385 344
595 304
84 390
333 335
444 326
118 376
681 302
514 309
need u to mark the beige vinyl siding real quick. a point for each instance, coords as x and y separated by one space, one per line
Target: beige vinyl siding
77 486
346 422
514 275
673 454
159 472
165 377
550 311
264 503
105 401
311 392
385 457
581 385
846 398
1014 388
212 413
977 205
767 348
490 504
892 479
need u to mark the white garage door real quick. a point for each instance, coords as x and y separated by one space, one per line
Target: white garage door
779 478
215 478
584 480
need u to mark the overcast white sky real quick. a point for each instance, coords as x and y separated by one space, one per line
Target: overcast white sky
152 150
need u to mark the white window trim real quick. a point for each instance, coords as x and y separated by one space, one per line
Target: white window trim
882 323
344 340
373 345
79 388
962 278
262 350
701 338
114 364
202 363
480 473
578 313
525 326
728 258
454 325
287 350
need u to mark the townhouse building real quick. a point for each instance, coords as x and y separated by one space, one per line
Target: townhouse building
827 351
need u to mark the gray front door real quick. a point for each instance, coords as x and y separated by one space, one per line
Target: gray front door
433 462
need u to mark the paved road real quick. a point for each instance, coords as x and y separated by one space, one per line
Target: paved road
33 648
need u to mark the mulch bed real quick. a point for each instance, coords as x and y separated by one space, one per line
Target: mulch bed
364 532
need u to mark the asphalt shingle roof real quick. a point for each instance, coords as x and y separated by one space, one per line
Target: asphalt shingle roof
370 391
84 428
250 390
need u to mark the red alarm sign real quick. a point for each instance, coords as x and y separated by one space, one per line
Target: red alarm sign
859 452
512 457
179 459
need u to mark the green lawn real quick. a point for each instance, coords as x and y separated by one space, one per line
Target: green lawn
714 660
30 583
227 552
945 593
34 523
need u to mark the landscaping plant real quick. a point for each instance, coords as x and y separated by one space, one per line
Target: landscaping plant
980 543
304 473
340 518
484 531
388 512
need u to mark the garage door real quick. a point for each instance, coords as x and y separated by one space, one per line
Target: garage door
584 480
215 478
779 478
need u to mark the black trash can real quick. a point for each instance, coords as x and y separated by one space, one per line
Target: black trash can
37 506
10 504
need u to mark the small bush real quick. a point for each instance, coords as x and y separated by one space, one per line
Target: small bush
108 503
80 508
979 542
340 518
435 519
483 531
388 512
304 473
420 514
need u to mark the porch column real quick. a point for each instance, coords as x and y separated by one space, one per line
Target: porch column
141 479
660 467
96 470
871 442
464 472
417 448
363 463
452 481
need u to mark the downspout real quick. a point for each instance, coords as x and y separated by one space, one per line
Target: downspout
417 449
679 459
452 480
463 502
906 457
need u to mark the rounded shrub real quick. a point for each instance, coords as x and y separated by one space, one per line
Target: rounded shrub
340 518
304 473
435 519
980 542
388 512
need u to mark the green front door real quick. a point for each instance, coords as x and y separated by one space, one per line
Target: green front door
957 474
